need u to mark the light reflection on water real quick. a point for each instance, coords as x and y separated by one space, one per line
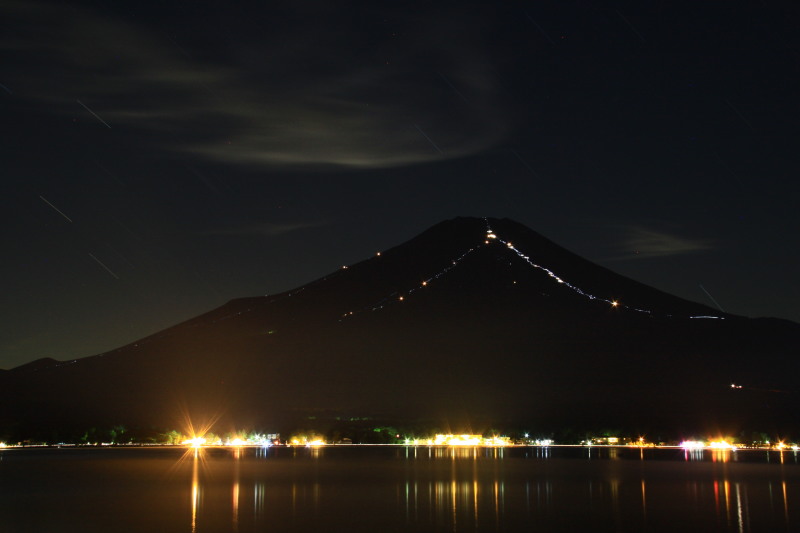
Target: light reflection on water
401 488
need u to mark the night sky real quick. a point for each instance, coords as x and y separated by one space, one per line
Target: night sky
160 161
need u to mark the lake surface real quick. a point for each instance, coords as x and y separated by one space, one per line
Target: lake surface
388 488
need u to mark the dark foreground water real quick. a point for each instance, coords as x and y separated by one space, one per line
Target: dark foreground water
376 489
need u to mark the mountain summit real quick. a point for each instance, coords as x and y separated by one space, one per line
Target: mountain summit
473 321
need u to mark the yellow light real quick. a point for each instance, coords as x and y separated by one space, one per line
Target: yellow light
238 442
614 303
316 442
497 441
196 442
2 444
491 236
401 298
721 445
510 245
379 254
456 440
424 283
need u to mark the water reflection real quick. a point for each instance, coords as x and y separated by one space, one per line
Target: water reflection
694 454
237 454
454 504
468 489
785 503
644 501
259 495
195 489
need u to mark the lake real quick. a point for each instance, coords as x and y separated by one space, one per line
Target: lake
396 488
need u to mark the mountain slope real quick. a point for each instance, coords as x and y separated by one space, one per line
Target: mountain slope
473 320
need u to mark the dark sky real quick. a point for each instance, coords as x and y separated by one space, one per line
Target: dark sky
159 161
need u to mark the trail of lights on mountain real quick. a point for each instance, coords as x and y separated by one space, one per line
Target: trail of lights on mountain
491 237
613 303
398 297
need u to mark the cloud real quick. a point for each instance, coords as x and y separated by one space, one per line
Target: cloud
312 94
643 243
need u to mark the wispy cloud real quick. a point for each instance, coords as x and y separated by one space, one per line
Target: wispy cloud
641 243
291 99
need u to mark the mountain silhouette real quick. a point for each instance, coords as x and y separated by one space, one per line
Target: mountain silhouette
473 323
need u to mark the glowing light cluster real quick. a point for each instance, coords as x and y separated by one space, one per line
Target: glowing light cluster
195 442
602 441
260 439
461 440
497 440
721 445
457 440
307 441
781 446
235 440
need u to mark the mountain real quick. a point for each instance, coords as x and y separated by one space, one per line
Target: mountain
474 322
